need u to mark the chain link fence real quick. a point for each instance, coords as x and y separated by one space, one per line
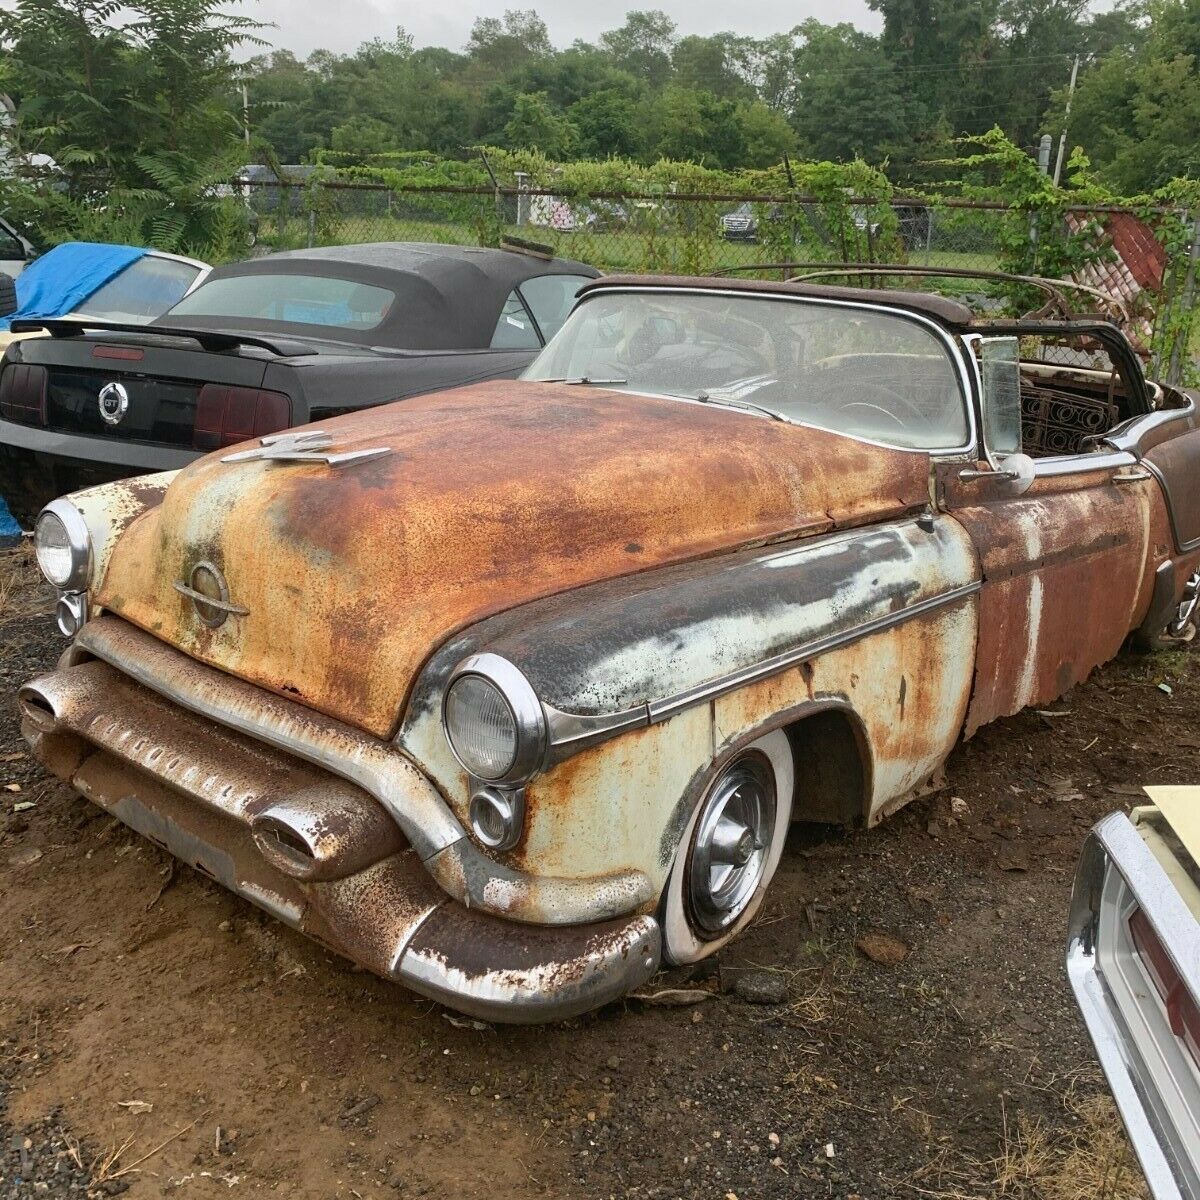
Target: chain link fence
765 236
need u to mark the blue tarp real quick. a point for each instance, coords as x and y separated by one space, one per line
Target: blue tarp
63 278
10 531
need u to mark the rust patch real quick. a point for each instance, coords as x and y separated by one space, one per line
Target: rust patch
1064 581
494 495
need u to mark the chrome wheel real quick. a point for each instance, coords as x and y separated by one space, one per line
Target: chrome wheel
730 844
1187 606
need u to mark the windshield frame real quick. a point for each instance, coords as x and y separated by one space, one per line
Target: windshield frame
951 345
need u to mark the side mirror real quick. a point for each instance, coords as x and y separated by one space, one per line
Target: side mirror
8 295
1000 372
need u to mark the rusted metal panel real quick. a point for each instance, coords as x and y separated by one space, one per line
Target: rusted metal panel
110 509
1064 579
1176 464
491 496
908 688
616 807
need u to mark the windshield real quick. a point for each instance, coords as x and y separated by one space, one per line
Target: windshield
874 375
142 291
290 300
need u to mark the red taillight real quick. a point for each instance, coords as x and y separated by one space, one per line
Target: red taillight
23 389
1182 1011
226 415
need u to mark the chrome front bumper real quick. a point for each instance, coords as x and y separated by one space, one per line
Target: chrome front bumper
1155 1082
317 851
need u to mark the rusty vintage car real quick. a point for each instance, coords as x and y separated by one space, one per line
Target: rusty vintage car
509 693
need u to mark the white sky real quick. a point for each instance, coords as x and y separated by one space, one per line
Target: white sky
340 25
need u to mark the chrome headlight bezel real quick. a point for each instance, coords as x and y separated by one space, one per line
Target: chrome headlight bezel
529 719
79 542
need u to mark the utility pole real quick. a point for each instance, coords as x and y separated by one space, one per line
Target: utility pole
246 112
1062 140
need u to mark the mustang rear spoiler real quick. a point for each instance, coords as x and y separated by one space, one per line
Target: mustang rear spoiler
209 339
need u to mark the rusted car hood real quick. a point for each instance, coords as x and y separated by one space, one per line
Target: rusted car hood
492 495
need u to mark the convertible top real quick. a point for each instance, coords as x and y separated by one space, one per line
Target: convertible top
447 297
942 309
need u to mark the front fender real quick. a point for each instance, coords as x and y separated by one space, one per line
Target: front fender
879 620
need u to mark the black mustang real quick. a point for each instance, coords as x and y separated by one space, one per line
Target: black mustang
264 345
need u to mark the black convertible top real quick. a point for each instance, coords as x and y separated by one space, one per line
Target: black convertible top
447 297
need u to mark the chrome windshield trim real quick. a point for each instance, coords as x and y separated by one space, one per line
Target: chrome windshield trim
569 733
949 343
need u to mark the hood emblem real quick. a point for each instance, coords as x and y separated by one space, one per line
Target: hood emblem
309 446
114 403
209 593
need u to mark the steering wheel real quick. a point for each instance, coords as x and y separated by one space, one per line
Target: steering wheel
876 397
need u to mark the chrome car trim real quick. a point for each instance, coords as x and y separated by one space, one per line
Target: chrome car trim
1129 434
424 818
305 447
1082 464
549 975
80 539
1131 1056
571 733
522 702
414 803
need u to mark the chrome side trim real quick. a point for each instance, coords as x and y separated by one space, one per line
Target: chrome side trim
1168 1155
1082 464
1129 434
570 733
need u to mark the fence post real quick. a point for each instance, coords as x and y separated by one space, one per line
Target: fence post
1187 300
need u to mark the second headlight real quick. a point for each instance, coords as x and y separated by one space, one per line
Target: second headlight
494 721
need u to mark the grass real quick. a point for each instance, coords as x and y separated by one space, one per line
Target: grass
22 591
1087 1156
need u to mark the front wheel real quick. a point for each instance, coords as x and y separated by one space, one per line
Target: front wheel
730 850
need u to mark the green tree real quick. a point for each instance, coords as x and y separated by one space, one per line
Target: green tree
1136 111
692 125
132 100
643 45
766 134
848 100
607 125
536 125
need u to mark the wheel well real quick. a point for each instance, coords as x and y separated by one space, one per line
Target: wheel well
831 768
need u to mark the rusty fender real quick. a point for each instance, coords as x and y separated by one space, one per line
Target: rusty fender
110 508
141 701
677 664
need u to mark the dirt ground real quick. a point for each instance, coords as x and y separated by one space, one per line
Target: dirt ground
160 1037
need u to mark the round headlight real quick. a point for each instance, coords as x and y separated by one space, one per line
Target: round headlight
481 727
63 546
494 721
496 817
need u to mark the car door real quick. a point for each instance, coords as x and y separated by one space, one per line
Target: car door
1066 546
